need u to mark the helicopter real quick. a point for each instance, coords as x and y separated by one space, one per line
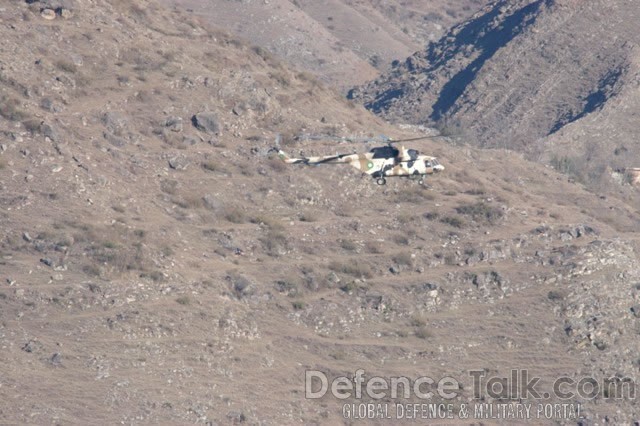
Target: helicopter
380 162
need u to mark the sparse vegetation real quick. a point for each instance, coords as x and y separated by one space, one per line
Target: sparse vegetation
481 212
234 215
169 186
309 216
11 109
281 77
66 66
354 268
344 211
414 194
349 287
374 247
406 217
475 191
184 300
566 165
268 221
211 166
423 333
431 215
240 285
298 305
348 245
556 295
277 165
274 243
450 259
403 258
417 321
401 239
288 286
454 221
189 202
32 125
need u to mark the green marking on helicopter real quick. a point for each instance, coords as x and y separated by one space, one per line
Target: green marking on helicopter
369 165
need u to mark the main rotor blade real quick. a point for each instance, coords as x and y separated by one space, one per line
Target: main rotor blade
415 139
363 139
308 137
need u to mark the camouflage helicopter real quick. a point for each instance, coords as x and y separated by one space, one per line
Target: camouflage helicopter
380 162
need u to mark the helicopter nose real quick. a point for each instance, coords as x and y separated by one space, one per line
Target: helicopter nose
438 168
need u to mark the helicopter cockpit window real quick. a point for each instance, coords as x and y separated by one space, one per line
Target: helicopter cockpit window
384 152
428 163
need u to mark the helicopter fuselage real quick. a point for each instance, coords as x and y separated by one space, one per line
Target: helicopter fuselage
380 162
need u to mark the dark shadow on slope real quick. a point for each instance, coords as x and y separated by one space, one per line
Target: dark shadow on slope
383 101
486 33
488 43
593 101
438 54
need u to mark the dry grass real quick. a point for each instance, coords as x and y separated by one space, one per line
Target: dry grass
415 194
32 125
406 217
431 215
403 258
374 247
234 215
277 165
169 186
268 221
309 216
423 333
481 212
348 245
417 321
354 268
454 221
274 243
213 166
11 109
189 202
66 66
298 305
183 300
289 285
401 239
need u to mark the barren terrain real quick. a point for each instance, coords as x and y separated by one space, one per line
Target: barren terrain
342 42
557 80
159 266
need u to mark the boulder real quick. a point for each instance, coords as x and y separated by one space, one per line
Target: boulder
206 122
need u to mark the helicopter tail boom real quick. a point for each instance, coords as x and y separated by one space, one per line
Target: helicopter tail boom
329 159
286 158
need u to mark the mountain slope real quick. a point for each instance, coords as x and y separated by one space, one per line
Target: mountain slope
342 42
520 71
158 266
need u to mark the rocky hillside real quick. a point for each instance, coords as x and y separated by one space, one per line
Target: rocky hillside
158 266
555 79
342 42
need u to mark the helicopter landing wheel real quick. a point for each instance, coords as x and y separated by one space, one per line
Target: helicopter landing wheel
421 182
381 181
